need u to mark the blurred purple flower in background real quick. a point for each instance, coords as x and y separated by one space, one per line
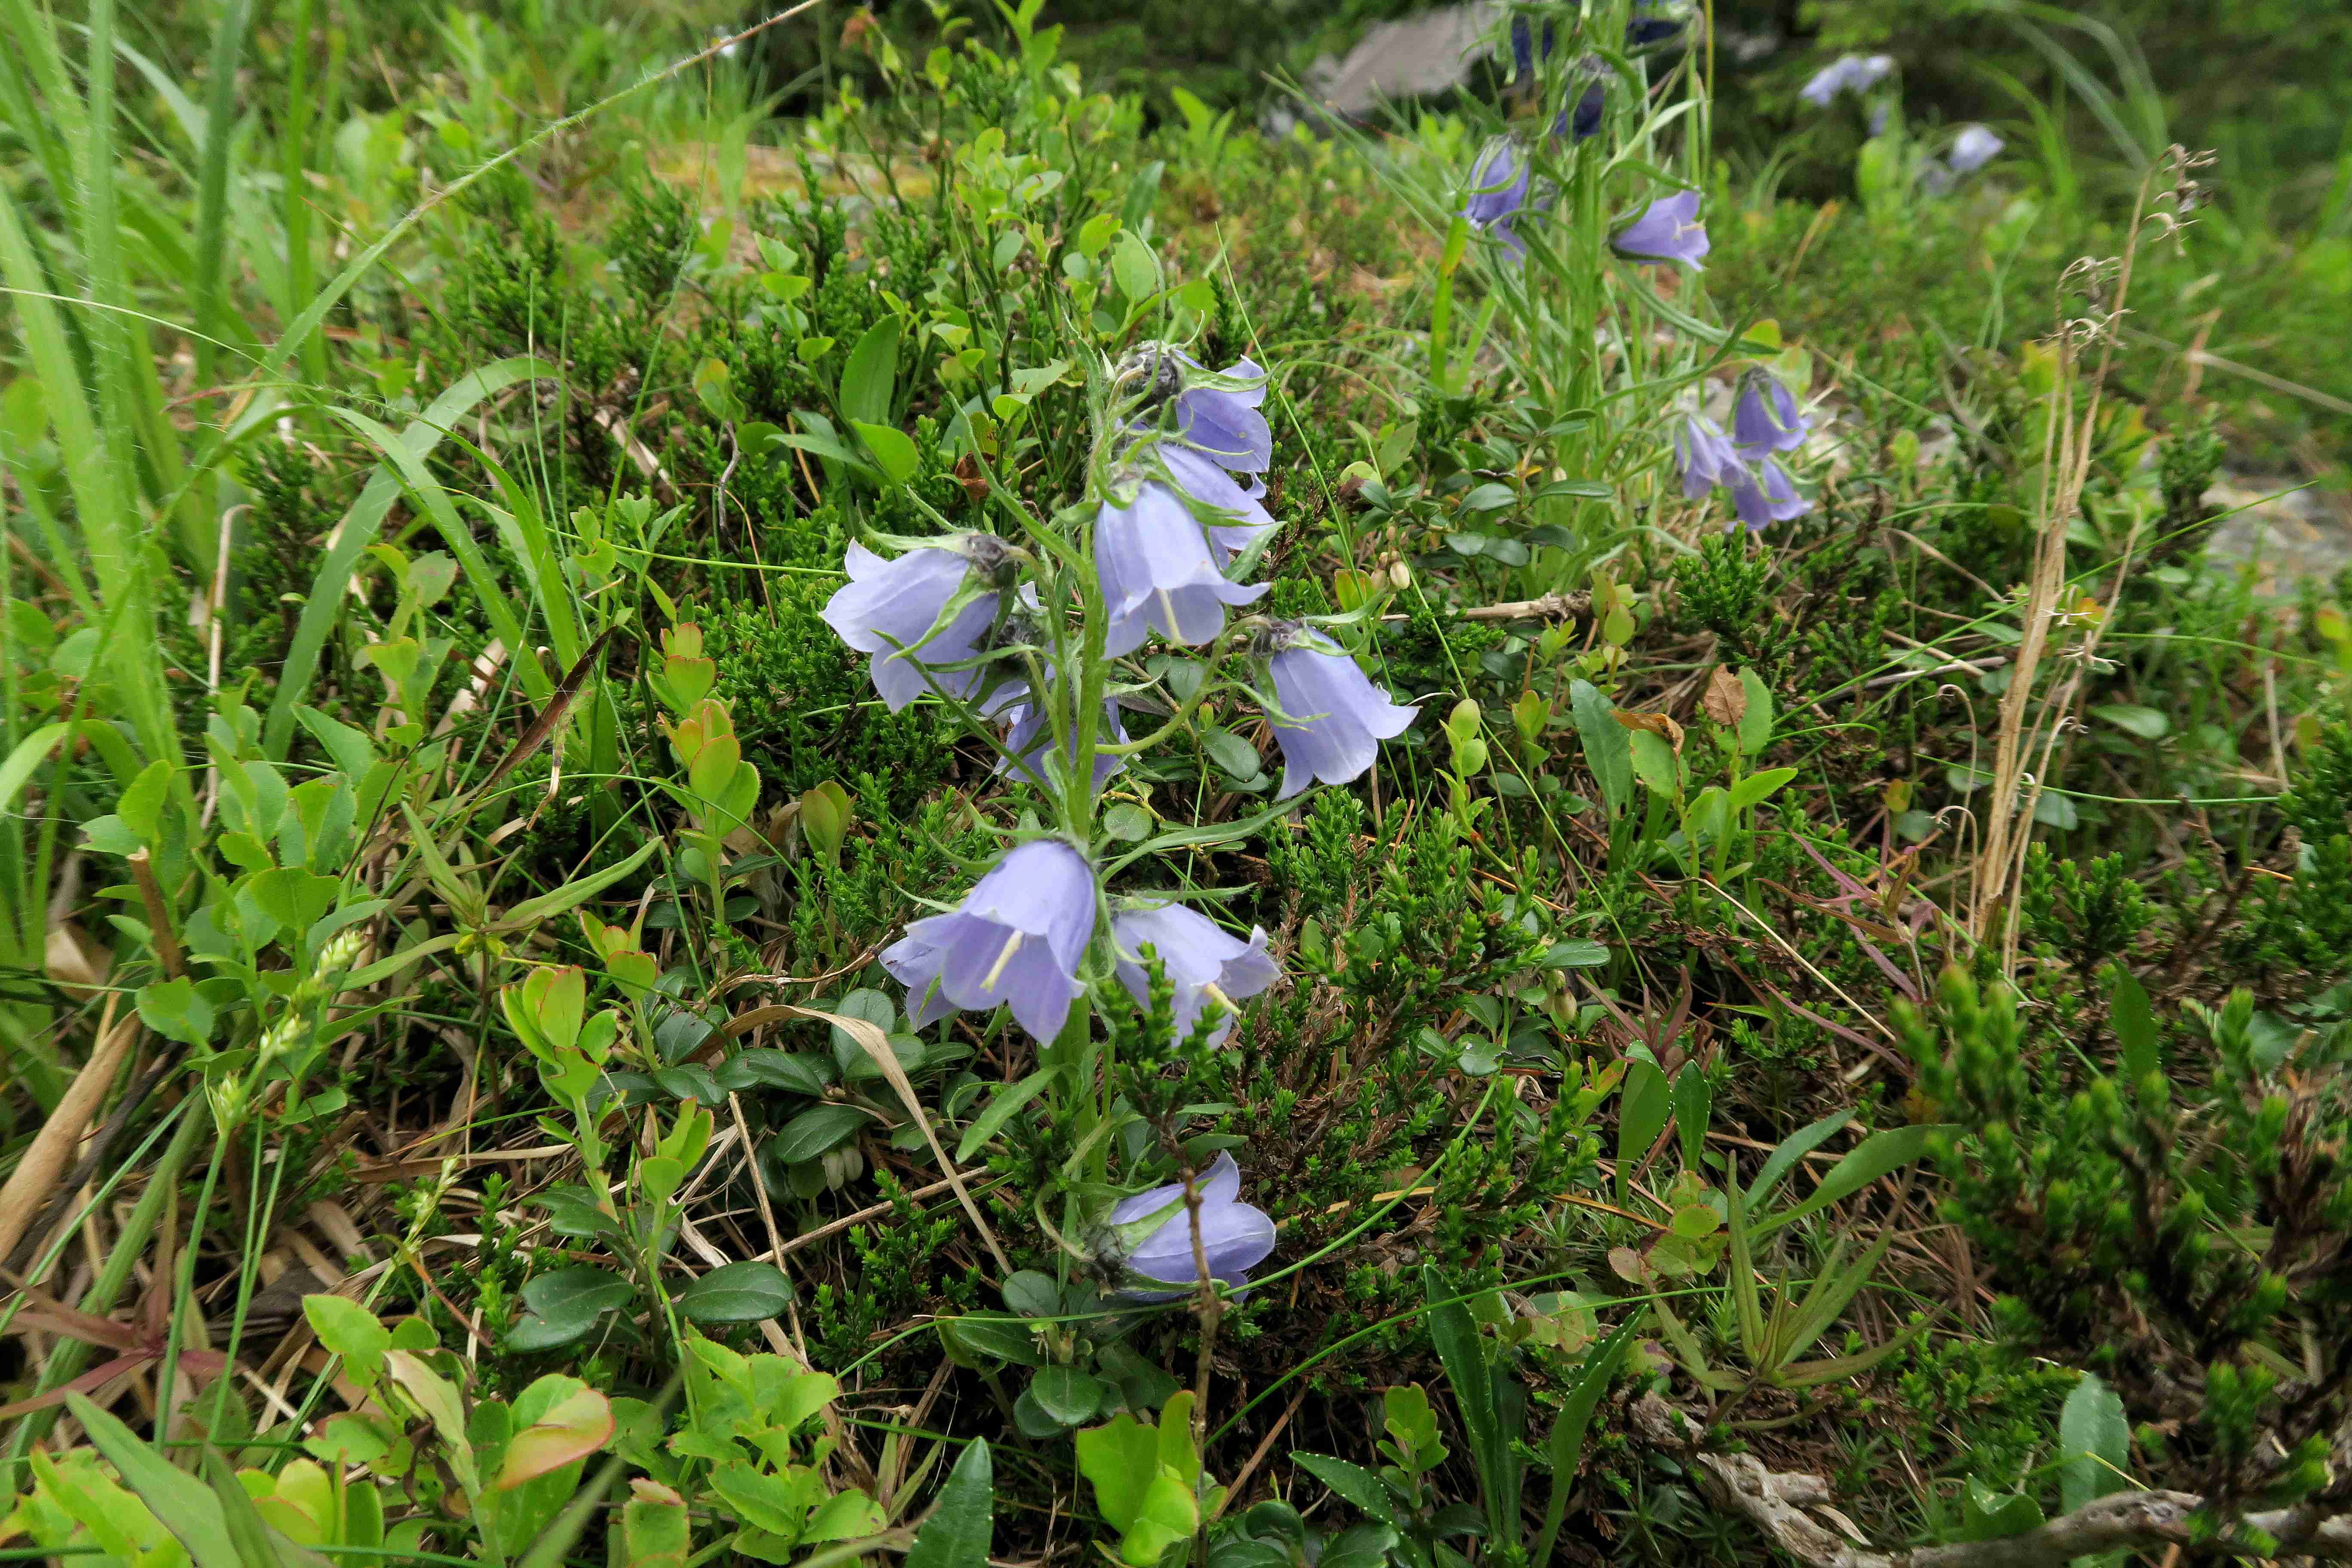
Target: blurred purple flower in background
1017 938
1765 416
888 606
1158 573
1499 191
1523 45
1762 494
1847 73
1972 148
1234 1237
1652 22
1667 230
1707 455
1205 963
1337 717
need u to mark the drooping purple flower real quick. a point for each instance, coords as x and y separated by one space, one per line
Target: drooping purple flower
1205 481
1499 191
1707 455
1160 572
1765 416
1335 716
1234 1237
887 609
1972 148
1847 73
1226 426
1584 120
1762 494
1030 738
1206 964
1523 45
1017 938
1667 230
1652 22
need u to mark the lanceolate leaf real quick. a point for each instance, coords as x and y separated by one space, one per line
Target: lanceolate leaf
958 1533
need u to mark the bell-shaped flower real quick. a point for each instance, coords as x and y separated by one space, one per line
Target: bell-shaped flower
1707 457
1972 148
1847 73
1667 230
1583 120
1765 416
1498 192
1152 1233
1030 737
1762 494
1207 966
889 608
1524 54
1226 426
1334 717
1017 938
1160 572
1652 22
1205 481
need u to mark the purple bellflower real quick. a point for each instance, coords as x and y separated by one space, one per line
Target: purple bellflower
1234 1237
888 607
1762 494
1337 717
1030 738
1523 45
1227 427
1652 22
1765 416
1972 148
1206 965
1847 73
1017 938
1667 230
1201 477
1160 572
1584 120
1498 192
1706 455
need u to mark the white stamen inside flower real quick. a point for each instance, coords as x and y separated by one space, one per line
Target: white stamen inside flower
1012 946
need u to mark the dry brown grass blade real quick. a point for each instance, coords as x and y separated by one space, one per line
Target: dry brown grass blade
559 707
877 1044
44 1159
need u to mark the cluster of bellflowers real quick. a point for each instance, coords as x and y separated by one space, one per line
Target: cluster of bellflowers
1973 146
1745 463
1035 642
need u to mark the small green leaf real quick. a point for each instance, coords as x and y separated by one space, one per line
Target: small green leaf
175 1009
2148 724
745 1292
958 1533
817 1129
2094 1444
869 379
1067 1395
894 452
350 1331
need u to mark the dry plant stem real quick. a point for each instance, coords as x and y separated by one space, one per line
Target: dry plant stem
1776 1502
2065 467
1206 1307
29 1185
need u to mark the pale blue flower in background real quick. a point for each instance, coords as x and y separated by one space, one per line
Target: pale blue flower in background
1765 416
1847 73
1498 192
1972 148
